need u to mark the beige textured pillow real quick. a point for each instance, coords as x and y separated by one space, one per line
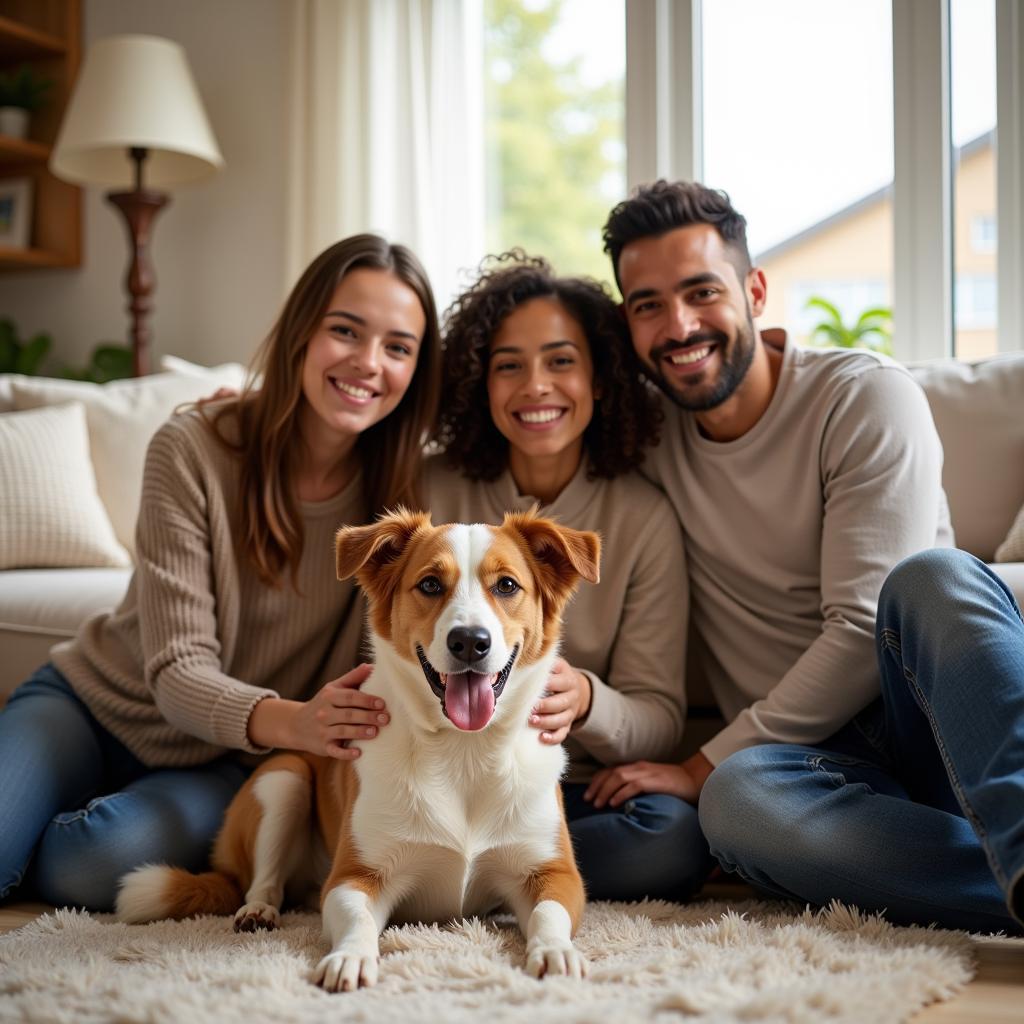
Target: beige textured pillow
122 416
1012 549
977 410
50 513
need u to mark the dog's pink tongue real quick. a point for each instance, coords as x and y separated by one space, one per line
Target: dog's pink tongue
469 700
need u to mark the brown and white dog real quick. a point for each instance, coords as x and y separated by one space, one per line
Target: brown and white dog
454 809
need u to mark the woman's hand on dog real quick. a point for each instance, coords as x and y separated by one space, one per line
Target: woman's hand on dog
322 725
614 786
567 701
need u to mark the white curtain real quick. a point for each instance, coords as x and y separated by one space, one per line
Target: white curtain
386 130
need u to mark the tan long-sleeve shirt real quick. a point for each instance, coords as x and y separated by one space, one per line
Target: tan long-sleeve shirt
627 633
199 639
790 532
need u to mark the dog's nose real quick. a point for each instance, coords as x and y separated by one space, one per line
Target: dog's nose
469 643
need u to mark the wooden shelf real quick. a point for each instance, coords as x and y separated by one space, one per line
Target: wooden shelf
24 259
12 149
20 40
46 36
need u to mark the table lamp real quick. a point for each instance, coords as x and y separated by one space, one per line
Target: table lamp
135 121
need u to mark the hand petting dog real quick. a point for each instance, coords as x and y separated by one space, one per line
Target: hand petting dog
324 724
567 701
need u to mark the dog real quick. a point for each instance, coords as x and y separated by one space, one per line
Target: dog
452 811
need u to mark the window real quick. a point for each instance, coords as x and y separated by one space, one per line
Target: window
975 312
983 234
726 73
804 147
841 164
555 127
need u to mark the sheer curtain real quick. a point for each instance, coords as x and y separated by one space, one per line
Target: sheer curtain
386 130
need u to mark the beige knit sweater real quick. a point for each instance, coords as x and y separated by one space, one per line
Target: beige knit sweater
628 633
199 639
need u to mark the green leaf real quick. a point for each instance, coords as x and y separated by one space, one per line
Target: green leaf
111 362
817 302
880 313
8 354
23 88
835 336
32 354
107 362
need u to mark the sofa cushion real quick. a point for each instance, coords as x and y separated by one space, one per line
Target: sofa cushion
979 412
122 416
50 513
41 607
1012 548
1012 573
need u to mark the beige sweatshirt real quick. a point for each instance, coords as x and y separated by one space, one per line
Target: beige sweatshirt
790 532
199 639
628 632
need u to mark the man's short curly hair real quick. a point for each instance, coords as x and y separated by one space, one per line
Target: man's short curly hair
655 209
626 419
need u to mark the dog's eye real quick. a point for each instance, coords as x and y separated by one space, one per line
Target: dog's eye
506 586
429 585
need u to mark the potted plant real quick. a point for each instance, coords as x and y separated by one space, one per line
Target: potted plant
872 329
22 91
17 356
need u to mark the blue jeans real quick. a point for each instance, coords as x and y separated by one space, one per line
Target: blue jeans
650 846
78 810
916 808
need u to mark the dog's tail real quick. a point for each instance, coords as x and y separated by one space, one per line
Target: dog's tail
156 891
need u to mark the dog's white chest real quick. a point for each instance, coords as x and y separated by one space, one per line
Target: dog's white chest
451 841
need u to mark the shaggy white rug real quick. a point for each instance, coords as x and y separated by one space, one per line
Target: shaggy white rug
652 961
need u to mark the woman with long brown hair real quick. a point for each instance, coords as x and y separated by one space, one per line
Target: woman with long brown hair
235 637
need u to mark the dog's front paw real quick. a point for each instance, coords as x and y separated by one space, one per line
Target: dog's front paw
257 916
556 958
345 972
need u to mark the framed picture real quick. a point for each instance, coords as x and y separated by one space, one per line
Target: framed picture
15 212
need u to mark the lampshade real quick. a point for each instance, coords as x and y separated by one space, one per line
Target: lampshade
135 91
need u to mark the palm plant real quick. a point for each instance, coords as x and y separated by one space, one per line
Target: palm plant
872 329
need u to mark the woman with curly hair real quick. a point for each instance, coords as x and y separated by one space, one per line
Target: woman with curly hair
543 403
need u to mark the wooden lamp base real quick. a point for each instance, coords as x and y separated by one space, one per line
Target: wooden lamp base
140 207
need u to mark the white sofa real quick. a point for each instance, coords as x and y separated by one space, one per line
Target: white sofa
978 409
46 595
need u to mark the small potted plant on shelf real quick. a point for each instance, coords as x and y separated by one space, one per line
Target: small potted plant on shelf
22 91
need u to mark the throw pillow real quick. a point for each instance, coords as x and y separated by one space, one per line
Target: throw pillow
122 416
1012 549
224 375
50 513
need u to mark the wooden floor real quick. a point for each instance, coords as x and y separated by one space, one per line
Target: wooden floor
996 995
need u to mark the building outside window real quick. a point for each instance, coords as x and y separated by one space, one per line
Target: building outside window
973 115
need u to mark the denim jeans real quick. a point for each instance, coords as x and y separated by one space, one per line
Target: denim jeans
78 810
649 846
916 808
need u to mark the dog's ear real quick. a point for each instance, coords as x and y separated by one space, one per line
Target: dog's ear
563 556
373 553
